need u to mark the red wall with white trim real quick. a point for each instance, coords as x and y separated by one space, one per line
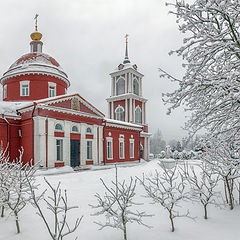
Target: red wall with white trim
115 134
38 87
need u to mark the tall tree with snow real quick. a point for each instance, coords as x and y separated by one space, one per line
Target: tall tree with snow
223 158
211 54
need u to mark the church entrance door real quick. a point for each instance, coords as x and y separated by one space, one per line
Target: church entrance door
75 153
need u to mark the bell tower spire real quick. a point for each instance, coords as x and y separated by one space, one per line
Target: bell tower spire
36 44
126 59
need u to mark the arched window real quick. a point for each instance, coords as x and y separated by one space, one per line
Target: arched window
135 87
89 130
74 129
138 115
58 127
120 86
119 113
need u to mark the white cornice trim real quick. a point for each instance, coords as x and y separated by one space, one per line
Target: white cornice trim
145 134
126 70
25 109
57 100
4 78
123 126
68 111
126 96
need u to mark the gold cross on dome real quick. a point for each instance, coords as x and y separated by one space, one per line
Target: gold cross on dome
36 16
126 36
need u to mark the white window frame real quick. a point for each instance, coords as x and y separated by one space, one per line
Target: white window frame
140 115
89 132
116 112
110 141
51 85
131 150
58 130
121 141
61 149
5 91
23 83
89 159
76 127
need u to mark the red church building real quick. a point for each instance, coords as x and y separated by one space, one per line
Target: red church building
60 129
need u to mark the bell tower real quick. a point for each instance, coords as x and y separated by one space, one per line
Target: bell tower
126 102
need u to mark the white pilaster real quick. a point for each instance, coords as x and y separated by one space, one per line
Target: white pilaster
143 112
112 111
100 144
112 87
66 143
130 109
134 115
94 145
126 110
125 85
145 119
114 82
40 140
83 150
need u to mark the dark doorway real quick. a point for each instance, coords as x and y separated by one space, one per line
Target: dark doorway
75 153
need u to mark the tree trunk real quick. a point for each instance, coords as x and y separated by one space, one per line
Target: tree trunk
2 212
205 212
17 222
239 193
225 191
125 231
172 223
230 194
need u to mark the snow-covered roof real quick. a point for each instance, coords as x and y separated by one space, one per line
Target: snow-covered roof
36 63
122 123
10 108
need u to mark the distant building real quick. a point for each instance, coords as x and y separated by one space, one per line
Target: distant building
61 129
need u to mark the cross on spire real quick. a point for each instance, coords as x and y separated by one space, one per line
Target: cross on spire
36 16
126 59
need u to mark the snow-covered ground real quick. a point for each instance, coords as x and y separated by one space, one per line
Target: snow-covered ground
81 186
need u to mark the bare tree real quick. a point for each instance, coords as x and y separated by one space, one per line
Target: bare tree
116 205
17 194
57 204
14 186
167 188
202 185
4 177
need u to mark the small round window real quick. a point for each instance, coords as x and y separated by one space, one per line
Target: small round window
74 129
58 127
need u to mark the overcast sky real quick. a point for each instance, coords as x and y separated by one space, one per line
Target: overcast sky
87 38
